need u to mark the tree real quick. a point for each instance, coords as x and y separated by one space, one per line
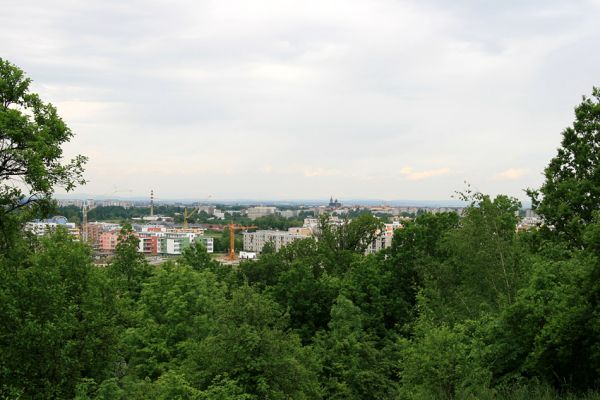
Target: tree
484 264
197 257
250 343
31 136
340 243
571 192
57 321
353 367
129 268
176 305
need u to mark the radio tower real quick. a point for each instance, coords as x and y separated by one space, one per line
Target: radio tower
151 202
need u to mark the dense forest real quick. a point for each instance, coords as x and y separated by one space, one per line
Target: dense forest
458 308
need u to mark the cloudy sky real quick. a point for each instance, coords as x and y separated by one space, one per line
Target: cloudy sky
278 99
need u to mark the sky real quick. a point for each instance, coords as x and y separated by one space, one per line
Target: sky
279 99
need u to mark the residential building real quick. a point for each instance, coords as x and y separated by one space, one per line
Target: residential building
255 241
384 239
107 242
173 243
301 230
260 211
289 213
148 244
157 239
43 227
95 229
218 214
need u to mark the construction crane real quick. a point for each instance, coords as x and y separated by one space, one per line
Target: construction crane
232 228
186 215
85 208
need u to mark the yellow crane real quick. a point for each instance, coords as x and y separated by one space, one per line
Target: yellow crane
232 228
186 215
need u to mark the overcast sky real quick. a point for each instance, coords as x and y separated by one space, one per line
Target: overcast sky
282 99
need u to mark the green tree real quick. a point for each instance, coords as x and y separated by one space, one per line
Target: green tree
250 344
197 257
31 135
384 290
339 243
128 267
571 191
57 321
176 305
484 264
443 362
552 330
353 366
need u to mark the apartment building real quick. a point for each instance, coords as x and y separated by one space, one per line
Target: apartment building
173 243
148 244
44 227
384 239
260 211
95 229
107 242
255 241
154 241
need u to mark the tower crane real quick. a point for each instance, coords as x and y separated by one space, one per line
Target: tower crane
186 215
84 211
232 228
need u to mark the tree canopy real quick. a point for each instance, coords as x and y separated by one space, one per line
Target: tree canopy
570 193
31 139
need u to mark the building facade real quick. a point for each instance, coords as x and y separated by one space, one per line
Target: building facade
260 211
384 239
46 226
255 241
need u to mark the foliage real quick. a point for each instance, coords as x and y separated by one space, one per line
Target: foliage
128 267
571 191
31 136
250 344
57 321
353 366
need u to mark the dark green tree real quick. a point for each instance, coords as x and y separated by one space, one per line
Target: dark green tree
128 267
197 257
176 305
571 190
31 136
353 366
57 321
250 343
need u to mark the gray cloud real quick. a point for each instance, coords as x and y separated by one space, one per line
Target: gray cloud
303 99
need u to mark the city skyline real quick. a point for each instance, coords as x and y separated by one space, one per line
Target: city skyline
299 100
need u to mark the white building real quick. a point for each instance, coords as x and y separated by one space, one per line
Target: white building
173 243
44 227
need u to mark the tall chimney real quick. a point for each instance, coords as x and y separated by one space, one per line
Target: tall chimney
151 203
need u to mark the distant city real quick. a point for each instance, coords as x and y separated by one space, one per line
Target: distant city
165 229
